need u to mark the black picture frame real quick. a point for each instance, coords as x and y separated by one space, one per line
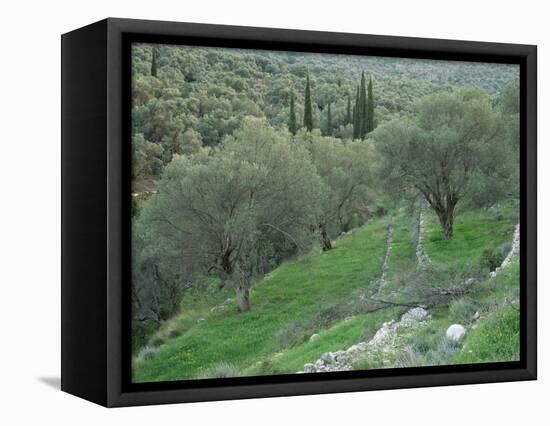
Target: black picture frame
96 212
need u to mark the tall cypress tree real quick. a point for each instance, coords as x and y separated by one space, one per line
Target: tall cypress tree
348 111
356 117
370 108
308 111
154 62
363 108
292 125
329 121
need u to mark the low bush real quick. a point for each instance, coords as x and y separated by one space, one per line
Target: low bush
491 259
158 339
221 371
410 357
147 353
325 318
445 350
462 311
292 336
424 342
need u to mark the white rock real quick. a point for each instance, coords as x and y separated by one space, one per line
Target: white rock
456 332
313 337
309 368
328 357
341 357
413 316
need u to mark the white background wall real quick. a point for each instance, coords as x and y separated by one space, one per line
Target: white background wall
30 229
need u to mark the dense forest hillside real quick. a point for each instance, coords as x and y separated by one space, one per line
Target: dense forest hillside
196 96
300 212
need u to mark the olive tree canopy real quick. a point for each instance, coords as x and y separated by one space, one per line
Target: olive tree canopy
345 169
231 209
452 142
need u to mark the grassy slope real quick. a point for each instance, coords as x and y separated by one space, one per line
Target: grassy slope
474 231
496 338
356 329
293 293
249 342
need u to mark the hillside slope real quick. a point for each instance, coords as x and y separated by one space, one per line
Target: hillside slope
314 305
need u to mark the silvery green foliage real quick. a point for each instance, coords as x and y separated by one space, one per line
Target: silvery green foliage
450 148
233 209
345 170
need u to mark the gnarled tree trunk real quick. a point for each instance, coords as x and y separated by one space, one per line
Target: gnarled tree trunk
446 219
327 244
243 297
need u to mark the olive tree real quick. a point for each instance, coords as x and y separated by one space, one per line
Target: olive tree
229 209
450 144
158 276
345 171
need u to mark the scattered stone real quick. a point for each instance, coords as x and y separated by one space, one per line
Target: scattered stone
383 340
278 355
476 316
309 368
328 357
201 320
313 337
455 332
413 317
422 257
510 256
385 265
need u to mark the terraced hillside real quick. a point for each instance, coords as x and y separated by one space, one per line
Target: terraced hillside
347 295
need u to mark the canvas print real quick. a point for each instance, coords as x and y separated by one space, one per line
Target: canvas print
303 213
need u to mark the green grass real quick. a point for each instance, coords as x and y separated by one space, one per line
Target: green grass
497 336
341 336
294 293
495 340
403 254
312 295
474 231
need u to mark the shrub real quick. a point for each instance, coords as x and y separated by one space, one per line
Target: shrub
410 357
331 315
141 333
158 339
491 259
267 367
175 332
221 371
462 310
424 342
292 336
380 211
325 318
445 350
148 352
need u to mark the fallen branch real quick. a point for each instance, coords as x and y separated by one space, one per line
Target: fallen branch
404 304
